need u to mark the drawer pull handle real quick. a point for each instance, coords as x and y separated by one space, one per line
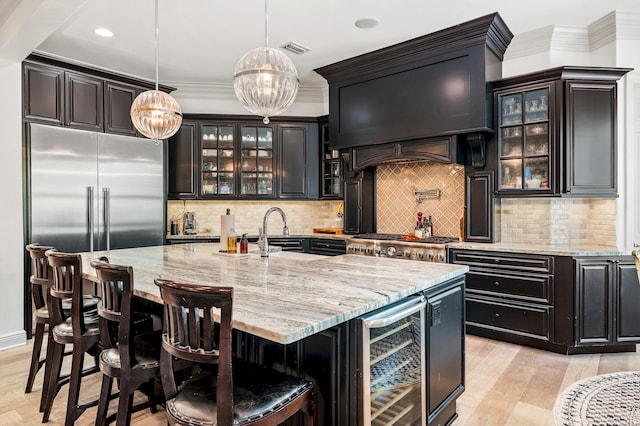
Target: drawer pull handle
497 315
497 283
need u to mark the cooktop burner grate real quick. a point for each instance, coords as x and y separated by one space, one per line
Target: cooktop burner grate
398 237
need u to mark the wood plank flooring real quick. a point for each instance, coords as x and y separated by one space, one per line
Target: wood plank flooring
506 385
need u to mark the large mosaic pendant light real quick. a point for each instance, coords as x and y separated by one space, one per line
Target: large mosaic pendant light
265 80
154 113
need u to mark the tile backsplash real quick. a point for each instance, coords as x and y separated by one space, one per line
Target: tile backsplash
302 216
397 207
559 221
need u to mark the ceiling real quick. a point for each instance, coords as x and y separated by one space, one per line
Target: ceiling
202 40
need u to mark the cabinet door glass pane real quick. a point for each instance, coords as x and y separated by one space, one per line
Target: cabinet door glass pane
537 140
257 161
511 141
511 109
217 156
511 174
536 172
536 105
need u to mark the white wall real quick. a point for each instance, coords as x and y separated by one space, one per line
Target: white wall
12 248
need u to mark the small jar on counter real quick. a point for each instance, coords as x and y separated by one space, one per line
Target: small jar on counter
244 244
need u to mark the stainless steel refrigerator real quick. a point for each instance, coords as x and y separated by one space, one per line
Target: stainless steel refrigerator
94 191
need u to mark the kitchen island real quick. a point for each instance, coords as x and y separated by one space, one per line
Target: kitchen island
296 312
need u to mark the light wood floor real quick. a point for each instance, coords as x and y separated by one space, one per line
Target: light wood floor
506 385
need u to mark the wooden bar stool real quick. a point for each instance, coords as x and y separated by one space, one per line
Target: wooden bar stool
78 328
40 280
133 361
242 395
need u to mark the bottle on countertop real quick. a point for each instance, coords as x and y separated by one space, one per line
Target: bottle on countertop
429 227
418 230
244 244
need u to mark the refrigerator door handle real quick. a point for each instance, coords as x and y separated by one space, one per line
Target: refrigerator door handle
106 192
90 211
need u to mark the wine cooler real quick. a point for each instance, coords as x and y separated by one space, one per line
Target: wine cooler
393 364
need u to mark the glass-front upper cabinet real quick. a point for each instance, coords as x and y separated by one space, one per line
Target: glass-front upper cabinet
524 141
218 158
256 161
331 178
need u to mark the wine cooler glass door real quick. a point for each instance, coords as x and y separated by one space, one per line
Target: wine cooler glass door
394 364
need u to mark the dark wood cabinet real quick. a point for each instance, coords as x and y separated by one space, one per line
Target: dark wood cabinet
118 98
182 166
331 173
479 207
298 163
559 303
240 157
61 94
43 93
83 102
359 201
327 246
556 132
607 296
509 293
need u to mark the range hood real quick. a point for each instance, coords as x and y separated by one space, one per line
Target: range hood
420 98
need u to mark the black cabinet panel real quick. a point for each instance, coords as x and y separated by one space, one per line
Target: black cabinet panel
479 205
327 246
528 320
628 301
299 163
537 288
118 99
445 351
84 102
43 92
591 139
593 297
182 166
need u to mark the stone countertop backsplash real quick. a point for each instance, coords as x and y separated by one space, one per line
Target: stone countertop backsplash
548 249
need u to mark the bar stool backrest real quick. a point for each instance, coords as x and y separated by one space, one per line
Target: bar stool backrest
41 274
189 333
67 283
116 285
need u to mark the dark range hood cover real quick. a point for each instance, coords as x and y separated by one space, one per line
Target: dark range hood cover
428 87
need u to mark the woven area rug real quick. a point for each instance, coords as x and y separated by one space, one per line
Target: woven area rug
608 399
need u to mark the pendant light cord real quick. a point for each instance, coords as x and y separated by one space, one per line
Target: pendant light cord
157 50
266 24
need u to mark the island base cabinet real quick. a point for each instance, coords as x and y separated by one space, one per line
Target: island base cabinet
332 358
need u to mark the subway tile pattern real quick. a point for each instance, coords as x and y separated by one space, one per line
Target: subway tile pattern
397 207
559 221
302 216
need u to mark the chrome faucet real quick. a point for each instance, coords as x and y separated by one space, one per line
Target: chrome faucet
263 241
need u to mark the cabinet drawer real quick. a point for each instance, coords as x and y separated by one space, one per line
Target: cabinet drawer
289 244
327 247
506 261
533 288
522 319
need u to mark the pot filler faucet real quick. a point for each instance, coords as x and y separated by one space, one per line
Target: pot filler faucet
263 240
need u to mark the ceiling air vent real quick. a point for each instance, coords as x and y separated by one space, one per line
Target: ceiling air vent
296 48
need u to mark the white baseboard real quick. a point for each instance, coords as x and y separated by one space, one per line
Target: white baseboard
11 340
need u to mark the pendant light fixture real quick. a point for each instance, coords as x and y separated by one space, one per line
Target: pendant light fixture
265 80
154 113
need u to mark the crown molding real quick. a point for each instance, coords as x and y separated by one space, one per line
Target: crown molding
225 92
529 43
603 31
570 39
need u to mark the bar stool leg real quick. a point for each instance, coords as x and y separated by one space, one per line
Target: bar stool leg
74 385
35 356
57 352
103 404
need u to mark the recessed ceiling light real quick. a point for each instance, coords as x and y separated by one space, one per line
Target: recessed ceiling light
103 32
367 23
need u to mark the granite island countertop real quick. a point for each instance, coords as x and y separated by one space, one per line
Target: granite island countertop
287 296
